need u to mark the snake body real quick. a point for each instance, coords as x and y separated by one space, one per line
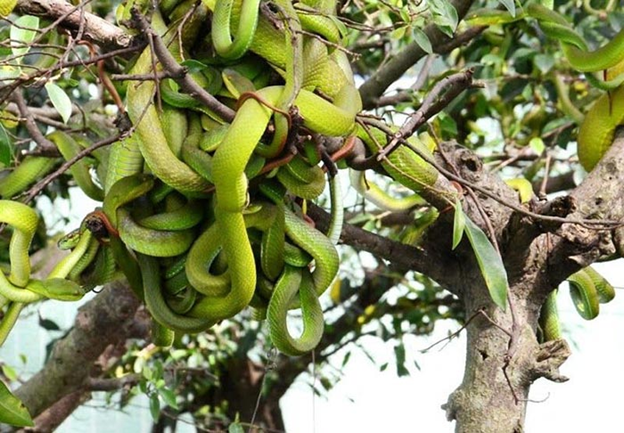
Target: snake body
607 113
205 217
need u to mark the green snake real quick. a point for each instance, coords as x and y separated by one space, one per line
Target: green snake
203 217
607 113
588 289
19 288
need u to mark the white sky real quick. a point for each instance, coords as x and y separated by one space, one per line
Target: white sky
589 401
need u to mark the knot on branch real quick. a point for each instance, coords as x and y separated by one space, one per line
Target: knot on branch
548 357
470 165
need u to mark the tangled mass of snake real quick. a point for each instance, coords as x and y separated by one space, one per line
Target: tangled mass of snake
203 210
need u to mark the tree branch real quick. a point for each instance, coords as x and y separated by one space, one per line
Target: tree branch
442 269
599 196
102 322
94 28
179 73
374 87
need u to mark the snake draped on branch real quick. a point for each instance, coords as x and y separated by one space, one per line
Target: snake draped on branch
205 215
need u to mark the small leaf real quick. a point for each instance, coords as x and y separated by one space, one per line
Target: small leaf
154 406
194 65
8 119
48 324
544 62
168 397
447 124
6 149
399 353
235 427
398 33
422 40
510 5
490 263
417 365
537 144
22 34
334 292
60 100
346 359
12 410
9 372
148 373
444 16
459 223
8 73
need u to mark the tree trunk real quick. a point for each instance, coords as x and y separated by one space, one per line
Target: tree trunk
502 360
503 355
103 322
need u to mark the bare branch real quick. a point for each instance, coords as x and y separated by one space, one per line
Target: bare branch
45 146
94 28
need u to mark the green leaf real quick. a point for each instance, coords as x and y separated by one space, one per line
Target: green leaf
444 16
12 410
490 263
194 65
346 359
398 33
235 427
537 144
23 32
154 406
459 223
168 397
148 373
544 62
399 353
447 124
60 100
422 40
9 372
510 5
6 149
48 325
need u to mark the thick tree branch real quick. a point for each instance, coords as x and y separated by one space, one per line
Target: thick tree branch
94 28
599 196
100 323
374 87
442 268
54 416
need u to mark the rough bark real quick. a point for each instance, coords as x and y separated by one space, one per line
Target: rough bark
503 355
75 18
104 322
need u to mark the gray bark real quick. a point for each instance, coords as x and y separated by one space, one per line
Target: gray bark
503 356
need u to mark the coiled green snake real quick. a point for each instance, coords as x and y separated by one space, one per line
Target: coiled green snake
206 218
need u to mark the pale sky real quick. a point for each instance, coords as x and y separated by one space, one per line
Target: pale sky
589 401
